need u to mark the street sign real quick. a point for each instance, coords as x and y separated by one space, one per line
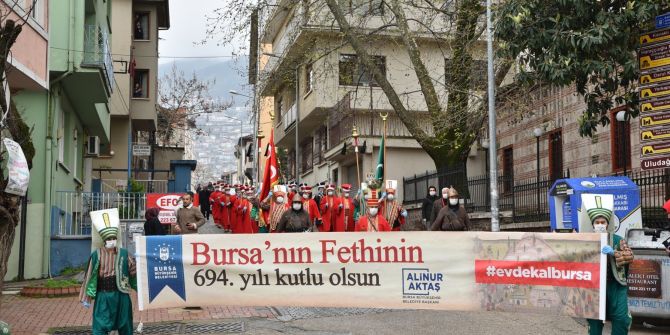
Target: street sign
655 105
655 76
655 120
663 21
655 134
655 163
655 56
656 149
141 150
655 91
655 36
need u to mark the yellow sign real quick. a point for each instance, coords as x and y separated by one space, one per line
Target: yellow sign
655 120
655 37
654 56
655 91
656 149
655 76
655 105
654 135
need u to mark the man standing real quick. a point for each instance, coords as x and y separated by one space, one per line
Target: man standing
189 218
348 208
213 200
331 206
310 206
372 222
294 220
203 195
438 204
319 193
275 205
109 277
452 216
427 206
392 211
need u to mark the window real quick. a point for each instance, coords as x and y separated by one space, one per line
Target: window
141 27
61 136
363 7
620 139
309 77
353 73
478 74
555 155
279 107
306 155
320 144
508 169
141 84
38 12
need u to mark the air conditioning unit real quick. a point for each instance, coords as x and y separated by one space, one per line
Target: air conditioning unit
93 146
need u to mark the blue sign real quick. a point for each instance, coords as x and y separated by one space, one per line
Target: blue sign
164 265
663 21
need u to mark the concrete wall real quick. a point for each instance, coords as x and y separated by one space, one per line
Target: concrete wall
145 108
122 16
29 54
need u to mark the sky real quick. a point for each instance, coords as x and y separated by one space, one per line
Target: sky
188 25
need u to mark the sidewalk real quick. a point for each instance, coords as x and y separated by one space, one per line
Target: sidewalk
37 315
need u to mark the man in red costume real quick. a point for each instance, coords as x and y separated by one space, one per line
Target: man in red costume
392 211
275 205
232 201
348 208
372 221
331 207
309 205
214 201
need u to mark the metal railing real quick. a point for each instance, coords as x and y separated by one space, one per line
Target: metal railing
528 198
288 119
70 216
149 186
97 52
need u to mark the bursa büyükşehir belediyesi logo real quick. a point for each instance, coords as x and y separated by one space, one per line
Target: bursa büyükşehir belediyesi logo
421 282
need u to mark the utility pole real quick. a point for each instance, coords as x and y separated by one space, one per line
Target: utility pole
493 152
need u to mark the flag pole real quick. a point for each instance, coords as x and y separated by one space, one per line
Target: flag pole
384 116
354 134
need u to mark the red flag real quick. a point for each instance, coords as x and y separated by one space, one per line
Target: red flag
271 172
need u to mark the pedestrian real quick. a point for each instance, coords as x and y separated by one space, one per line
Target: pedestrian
296 219
153 226
392 210
453 216
243 209
275 205
205 205
438 204
372 221
331 206
310 206
109 277
599 208
427 206
189 218
348 208
319 193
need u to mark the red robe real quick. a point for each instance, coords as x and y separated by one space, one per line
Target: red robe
382 225
224 211
312 209
391 210
243 209
232 212
331 207
213 200
348 213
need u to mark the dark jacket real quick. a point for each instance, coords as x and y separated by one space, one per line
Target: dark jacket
448 220
293 222
154 227
437 205
427 207
203 197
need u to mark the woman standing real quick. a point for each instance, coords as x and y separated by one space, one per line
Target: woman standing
153 226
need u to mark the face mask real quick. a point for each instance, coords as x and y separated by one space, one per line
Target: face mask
330 192
297 206
391 196
280 200
373 211
346 195
600 228
305 196
432 193
445 196
232 192
453 202
110 244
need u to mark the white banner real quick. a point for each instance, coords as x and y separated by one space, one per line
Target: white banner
17 166
517 272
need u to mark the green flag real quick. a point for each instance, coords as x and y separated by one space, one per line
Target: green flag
380 162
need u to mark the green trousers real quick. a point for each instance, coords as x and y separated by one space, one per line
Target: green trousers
616 310
112 311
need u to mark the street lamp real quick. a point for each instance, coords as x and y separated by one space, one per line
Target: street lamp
621 117
538 132
233 92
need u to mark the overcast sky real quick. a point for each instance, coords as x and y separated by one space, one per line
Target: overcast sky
188 26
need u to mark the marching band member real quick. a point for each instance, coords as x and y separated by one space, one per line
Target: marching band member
372 221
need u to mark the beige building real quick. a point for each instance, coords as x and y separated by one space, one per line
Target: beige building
135 26
309 74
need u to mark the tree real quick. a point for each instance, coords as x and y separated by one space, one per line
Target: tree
181 100
12 126
589 43
447 131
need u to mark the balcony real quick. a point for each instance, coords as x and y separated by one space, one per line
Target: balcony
97 53
288 119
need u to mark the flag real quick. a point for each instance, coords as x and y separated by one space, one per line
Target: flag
380 161
271 171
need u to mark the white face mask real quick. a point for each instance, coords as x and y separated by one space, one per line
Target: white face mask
346 195
330 192
432 193
110 244
373 211
600 228
297 206
280 200
391 196
232 192
453 202
445 196
305 196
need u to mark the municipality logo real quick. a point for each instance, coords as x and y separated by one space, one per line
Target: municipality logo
164 265
421 282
